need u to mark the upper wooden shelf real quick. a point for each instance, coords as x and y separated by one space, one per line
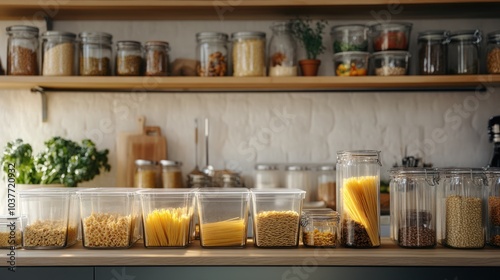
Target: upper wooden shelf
217 84
241 9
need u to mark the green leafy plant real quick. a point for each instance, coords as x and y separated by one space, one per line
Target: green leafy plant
309 35
61 162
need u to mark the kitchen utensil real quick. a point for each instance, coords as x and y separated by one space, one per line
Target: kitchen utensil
196 170
208 170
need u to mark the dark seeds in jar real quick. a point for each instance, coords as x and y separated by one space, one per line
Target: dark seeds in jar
22 61
91 66
493 61
354 235
156 63
128 65
414 236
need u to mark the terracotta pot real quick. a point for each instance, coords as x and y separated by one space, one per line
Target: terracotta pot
309 67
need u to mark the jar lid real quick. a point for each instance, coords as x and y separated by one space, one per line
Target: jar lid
401 54
348 27
281 25
248 34
170 163
18 28
319 213
412 171
360 153
297 167
494 36
143 162
464 35
262 166
95 35
394 26
430 35
128 44
460 171
211 35
327 167
47 34
492 171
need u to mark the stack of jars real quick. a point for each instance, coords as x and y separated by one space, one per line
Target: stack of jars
350 45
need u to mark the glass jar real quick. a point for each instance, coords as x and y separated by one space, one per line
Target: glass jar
198 181
249 52
493 227
461 205
493 56
414 220
319 227
282 51
350 38
59 53
327 185
358 198
95 53
156 58
266 176
299 177
211 53
10 232
22 50
391 36
128 58
171 174
147 174
433 52
463 52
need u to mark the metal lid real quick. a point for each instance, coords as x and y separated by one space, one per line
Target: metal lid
297 167
166 163
211 35
19 28
348 27
464 35
494 129
430 35
327 167
121 44
494 37
393 26
262 166
402 54
248 34
143 162
95 35
359 153
47 34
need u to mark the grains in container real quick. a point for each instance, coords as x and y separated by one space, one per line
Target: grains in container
59 50
249 54
147 174
464 216
277 228
48 234
171 174
10 232
156 58
319 227
493 56
22 50
95 54
128 58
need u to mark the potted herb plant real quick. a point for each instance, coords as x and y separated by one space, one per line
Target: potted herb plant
310 36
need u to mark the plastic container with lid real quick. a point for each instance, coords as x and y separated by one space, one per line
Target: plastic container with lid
393 36
299 176
493 226
391 63
52 217
319 227
493 53
350 38
156 58
59 56
128 58
282 51
460 207
10 232
351 63
276 217
463 52
211 51
327 185
95 53
249 54
167 217
171 174
147 174
433 52
223 216
110 217
266 176
22 50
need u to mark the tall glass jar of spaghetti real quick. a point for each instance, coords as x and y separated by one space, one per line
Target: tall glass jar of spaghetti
358 191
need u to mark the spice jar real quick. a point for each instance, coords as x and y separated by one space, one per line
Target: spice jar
10 232
493 227
128 58
463 52
211 53
299 177
319 227
493 50
22 50
59 53
171 174
414 219
358 198
266 176
460 203
432 52
327 185
282 51
156 58
147 174
249 52
95 54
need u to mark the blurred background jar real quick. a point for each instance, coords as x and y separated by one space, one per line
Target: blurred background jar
171 174
59 57
249 53
350 38
266 176
327 185
282 51
22 50
147 174
298 176
128 58
211 51
156 58
95 53
463 52
433 52
493 53
493 224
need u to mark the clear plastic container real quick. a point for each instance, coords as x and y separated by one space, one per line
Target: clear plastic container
10 232
463 52
156 58
266 176
22 50
493 53
59 56
52 217
391 36
433 52
249 54
350 38
95 53
110 217
167 216
493 227
391 63
282 51
327 185
212 54
351 63
147 174
223 216
276 217
128 58
319 227
171 174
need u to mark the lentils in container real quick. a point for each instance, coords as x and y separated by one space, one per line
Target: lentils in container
493 226
95 53
147 174
282 51
22 50
433 52
128 58
156 58
391 63
391 36
249 52
348 38
59 54
211 53
493 56
319 227
463 52
351 63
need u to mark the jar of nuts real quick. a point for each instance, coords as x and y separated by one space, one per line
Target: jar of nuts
95 53
22 50
59 53
128 58
493 57
319 227
156 58
249 52
211 53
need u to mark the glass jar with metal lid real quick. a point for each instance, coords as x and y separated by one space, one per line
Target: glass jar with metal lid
282 51
493 53
463 52
327 184
493 222
249 53
157 58
147 174
22 50
171 174
128 58
350 38
59 53
433 52
319 227
211 51
266 176
95 53
198 181
298 176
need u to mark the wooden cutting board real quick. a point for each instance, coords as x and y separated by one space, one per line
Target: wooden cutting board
146 143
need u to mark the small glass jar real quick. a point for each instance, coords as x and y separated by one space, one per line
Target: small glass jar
299 177
327 185
249 52
171 174
266 176
319 227
493 227
358 198
282 51
156 58
463 52
461 205
211 53
95 53
22 50
350 38
493 56
59 53
147 174
433 52
128 58
10 232
229 180
198 181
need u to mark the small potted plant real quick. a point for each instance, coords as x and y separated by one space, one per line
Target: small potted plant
310 36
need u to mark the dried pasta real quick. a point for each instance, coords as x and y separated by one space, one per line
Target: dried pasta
103 230
226 233
167 227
